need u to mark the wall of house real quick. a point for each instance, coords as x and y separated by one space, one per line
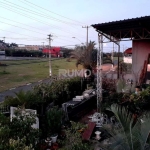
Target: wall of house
127 59
140 51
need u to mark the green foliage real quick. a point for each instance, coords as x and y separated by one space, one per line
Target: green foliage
54 119
58 91
73 140
21 126
85 56
23 99
18 134
120 85
23 53
4 131
141 100
19 144
131 134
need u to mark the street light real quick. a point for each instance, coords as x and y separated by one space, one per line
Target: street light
77 39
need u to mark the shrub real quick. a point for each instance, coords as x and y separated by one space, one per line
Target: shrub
54 119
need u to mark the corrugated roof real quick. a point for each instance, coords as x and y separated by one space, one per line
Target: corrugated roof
138 24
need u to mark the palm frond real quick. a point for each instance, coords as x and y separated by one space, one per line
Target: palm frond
131 135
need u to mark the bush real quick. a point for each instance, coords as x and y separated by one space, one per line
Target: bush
73 140
54 119
18 133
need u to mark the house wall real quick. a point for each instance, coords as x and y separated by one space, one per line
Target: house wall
140 51
127 59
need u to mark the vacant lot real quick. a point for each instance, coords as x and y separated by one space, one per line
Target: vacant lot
20 72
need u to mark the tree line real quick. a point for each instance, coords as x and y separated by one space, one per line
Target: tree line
66 53
23 53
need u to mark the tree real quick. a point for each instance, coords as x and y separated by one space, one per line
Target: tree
85 56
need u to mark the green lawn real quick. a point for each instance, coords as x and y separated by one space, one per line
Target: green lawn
20 72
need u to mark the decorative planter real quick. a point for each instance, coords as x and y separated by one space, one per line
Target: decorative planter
97 135
54 138
48 141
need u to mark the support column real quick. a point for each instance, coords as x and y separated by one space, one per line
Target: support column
99 72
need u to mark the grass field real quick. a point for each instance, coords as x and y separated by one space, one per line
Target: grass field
20 72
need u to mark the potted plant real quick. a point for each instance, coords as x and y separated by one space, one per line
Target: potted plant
54 120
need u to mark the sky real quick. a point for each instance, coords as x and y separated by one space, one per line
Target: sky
29 22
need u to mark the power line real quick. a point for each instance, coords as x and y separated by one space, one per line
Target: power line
35 12
18 22
52 12
17 33
33 18
22 27
33 37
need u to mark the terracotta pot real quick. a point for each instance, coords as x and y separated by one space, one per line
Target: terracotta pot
55 146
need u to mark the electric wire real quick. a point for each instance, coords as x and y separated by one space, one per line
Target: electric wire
35 12
22 28
25 28
32 31
31 26
25 9
50 11
17 33
33 18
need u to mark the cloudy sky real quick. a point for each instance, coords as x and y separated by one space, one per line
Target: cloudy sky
30 21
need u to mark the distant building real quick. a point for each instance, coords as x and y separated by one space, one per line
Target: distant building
2 54
30 47
54 51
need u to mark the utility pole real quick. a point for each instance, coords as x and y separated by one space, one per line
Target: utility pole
50 67
4 39
87 27
4 46
43 45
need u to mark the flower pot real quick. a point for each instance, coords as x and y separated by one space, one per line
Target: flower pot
54 138
55 146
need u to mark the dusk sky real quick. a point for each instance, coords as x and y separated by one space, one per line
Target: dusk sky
30 21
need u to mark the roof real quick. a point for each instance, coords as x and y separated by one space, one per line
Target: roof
123 28
128 51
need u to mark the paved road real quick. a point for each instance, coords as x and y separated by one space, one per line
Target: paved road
25 88
19 58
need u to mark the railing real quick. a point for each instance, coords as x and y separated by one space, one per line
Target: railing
144 70
4 109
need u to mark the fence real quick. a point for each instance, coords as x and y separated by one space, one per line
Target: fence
4 109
